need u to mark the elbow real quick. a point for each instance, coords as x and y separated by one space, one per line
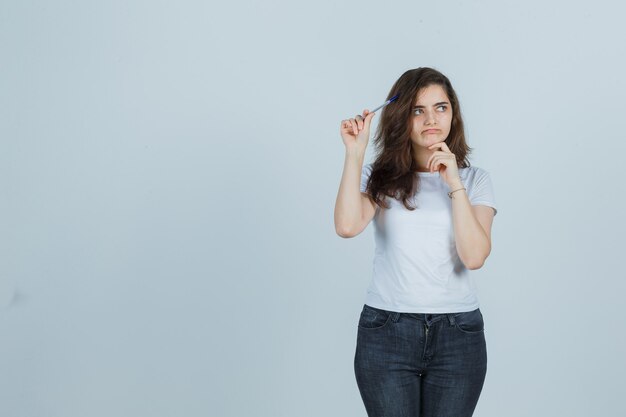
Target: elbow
479 261
344 232
476 263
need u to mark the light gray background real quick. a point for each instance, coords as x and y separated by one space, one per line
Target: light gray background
168 178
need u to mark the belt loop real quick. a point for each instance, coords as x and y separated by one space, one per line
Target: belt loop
451 319
395 316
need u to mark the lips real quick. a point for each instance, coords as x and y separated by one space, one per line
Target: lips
431 131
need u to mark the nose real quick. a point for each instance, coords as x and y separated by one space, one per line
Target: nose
430 119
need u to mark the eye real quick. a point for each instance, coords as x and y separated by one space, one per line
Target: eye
418 111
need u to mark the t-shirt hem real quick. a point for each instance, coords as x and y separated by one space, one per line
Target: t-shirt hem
458 309
485 203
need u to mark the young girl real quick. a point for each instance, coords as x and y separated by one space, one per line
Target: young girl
421 347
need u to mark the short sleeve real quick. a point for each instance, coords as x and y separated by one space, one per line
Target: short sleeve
365 175
482 191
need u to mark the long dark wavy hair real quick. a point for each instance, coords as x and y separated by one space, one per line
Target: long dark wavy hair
394 169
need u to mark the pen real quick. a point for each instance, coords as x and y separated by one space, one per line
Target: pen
394 98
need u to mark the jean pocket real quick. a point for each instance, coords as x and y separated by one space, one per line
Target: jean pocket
373 318
470 322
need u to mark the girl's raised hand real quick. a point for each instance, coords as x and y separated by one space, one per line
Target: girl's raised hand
355 132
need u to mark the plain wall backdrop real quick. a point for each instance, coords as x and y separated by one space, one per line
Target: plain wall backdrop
168 175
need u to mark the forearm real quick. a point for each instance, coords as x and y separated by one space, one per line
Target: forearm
348 209
472 243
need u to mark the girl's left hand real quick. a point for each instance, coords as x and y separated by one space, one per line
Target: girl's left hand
444 161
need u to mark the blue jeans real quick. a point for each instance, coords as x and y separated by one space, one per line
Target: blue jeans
420 365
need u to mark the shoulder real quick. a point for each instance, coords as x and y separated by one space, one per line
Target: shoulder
473 174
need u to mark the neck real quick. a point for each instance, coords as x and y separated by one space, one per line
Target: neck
420 158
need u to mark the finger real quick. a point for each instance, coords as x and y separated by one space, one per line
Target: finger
347 126
443 146
433 156
359 121
355 128
433 161
435 165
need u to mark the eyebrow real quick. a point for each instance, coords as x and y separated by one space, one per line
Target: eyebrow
435 105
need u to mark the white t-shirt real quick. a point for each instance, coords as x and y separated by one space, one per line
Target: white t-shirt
416 266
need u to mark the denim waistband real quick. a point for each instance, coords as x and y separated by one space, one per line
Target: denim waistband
428 318
425 317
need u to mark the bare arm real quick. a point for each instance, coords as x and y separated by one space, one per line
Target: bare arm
353 209
472 229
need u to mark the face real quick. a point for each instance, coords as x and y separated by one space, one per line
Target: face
431 110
